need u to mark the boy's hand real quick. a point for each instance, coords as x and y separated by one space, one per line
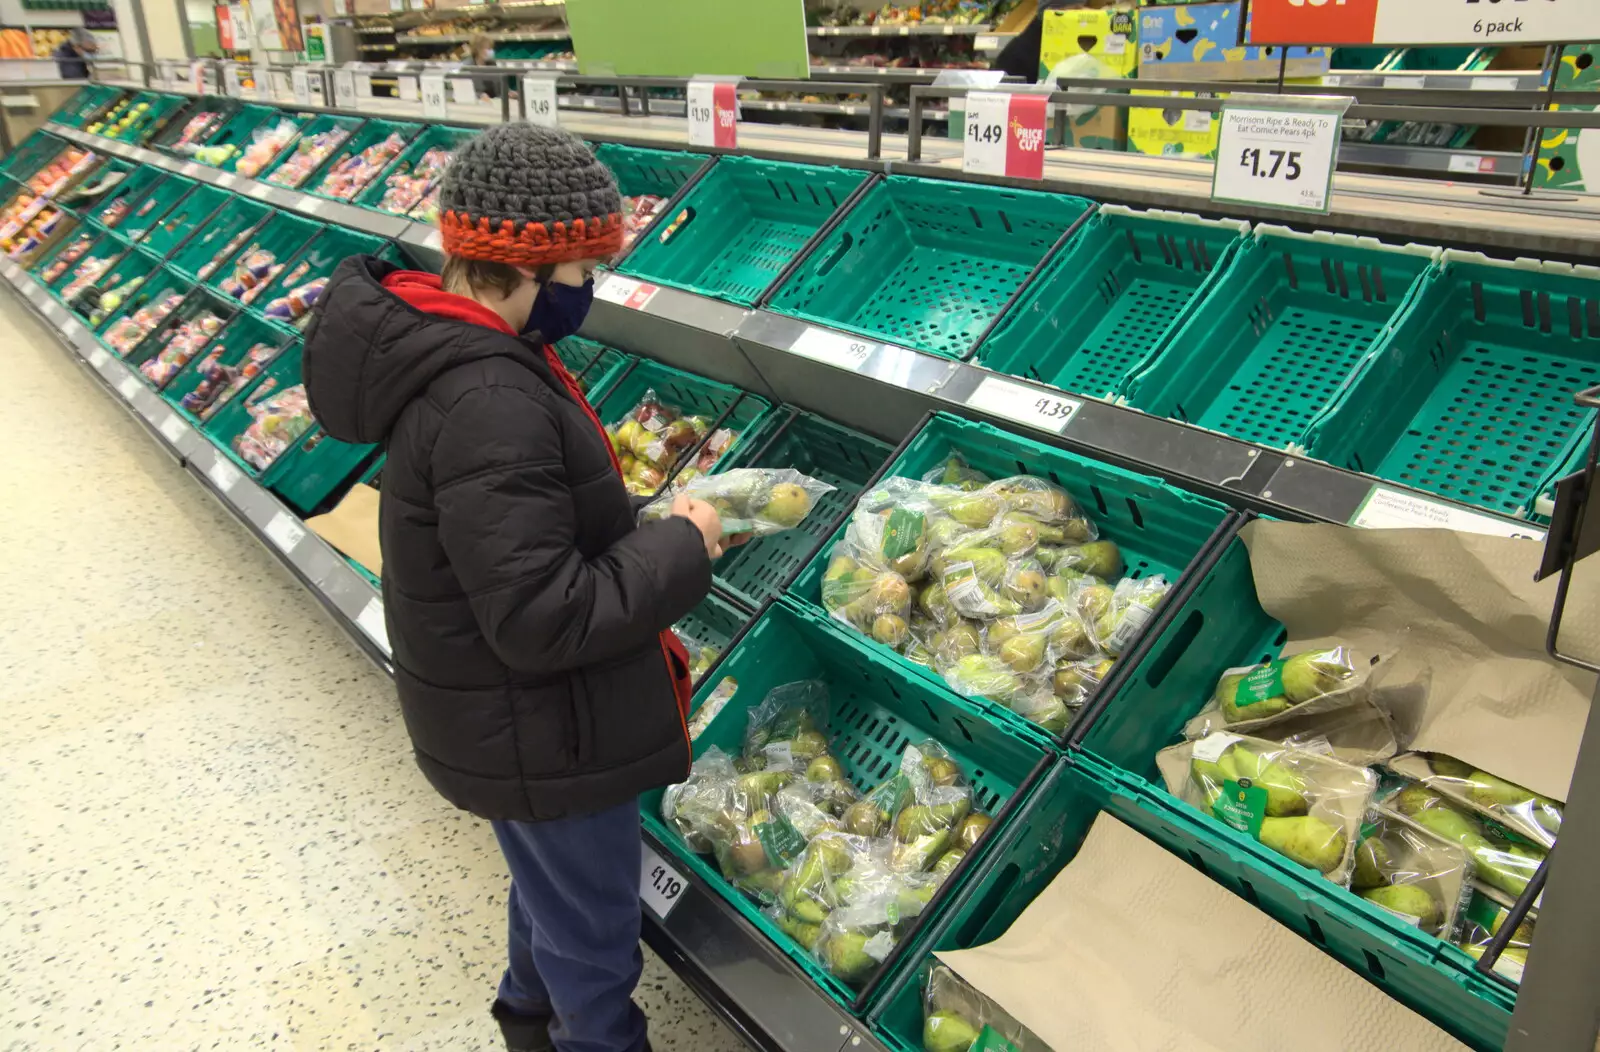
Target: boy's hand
705 518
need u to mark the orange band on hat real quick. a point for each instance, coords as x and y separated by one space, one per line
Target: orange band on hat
535 244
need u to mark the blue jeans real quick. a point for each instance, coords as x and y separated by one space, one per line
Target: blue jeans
575 927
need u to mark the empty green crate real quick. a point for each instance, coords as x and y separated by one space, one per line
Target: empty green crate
740 226
193 212
712 623
876 710
341 179
927 263
1161 529
387 194
34 153
281 237
814 446
1280 333
642 171
315 468
124 198
149 212
126 327
319 141
1471 397
190 392
595 366
220 240
1050 830
739 411
325 251
160 358
1112 296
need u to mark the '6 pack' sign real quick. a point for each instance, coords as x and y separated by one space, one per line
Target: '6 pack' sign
1475 22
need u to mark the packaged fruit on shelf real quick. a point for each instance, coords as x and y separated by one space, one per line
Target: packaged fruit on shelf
53 177
957 1018
755 501
67 255
1502 859
652 439
221 381
1301 803
1481 921
294 306
97 307
405 188
86 273
1524 812
36 234
277 422
125 333
351 175
266 142
251 275
179 345
637 213
1295 690
1411 872
194 131
308 155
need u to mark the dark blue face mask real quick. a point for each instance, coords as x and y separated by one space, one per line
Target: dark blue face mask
559 310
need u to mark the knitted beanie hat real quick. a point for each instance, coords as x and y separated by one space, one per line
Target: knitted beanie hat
528 195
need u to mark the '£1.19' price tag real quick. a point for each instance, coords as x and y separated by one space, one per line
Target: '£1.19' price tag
660 886
1278 156
1004 134
713 114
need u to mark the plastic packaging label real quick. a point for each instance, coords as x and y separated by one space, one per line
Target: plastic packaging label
660 886
844 352
1388 509
1133 621
284 532
1212 746
1242 806
879 946
371 622
1277 156
223 475
1027 405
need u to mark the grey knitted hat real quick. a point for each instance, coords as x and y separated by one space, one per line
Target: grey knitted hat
528 195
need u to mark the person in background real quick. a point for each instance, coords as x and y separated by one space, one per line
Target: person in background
529 612
72 54
483 55
1020 58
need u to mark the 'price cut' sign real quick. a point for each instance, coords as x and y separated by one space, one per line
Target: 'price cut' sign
1475 22
1004 134
1277 156
713 114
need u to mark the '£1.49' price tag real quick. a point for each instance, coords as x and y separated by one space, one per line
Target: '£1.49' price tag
713 114
1004 134
1278 156
539 100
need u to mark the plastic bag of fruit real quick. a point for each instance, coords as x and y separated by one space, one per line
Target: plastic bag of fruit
1410 871
957 1018
1523 811
785 731
875 602
1501 858
695 806
758 501
811 889
1253 697
1482 920
651 440
1115 626
1305 805
878 906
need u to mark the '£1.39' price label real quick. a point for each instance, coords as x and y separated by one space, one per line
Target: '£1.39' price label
1277 157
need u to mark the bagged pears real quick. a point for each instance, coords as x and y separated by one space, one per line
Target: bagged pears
1410 871
955 1017
757 501
1538 818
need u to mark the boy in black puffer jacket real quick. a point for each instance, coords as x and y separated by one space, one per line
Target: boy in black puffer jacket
528 613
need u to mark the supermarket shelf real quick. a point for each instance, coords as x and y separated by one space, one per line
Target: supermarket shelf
1529 80
884 390
1505 166
462 38
749 981
919 30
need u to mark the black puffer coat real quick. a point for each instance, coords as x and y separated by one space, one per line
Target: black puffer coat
525 608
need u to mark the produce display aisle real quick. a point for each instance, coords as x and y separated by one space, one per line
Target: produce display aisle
863 323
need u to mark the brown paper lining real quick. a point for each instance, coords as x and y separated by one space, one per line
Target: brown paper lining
352 527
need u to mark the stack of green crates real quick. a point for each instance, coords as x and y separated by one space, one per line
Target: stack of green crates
740 225
1280 334
927 263
1111 298
876 709
1471 395
1160 528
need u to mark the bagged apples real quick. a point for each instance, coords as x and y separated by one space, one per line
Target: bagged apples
757 501
654 437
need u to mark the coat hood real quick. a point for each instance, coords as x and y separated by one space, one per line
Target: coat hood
369 353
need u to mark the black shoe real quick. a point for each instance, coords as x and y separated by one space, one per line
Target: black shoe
523 1033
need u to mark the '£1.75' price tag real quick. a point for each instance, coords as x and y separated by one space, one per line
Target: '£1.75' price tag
1004 134
1279 156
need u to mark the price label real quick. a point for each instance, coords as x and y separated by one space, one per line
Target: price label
397 5
127 387
1421 22
463 91
263 81
1277 156
1004 134
300 84
172 428
284 532
1027 405
370 621
363 85
407 88
231 85
1470 163
625 292
1390 509
98 358
660 886
344 89
222 474
433 103
53 311
539 99
844 352
713 110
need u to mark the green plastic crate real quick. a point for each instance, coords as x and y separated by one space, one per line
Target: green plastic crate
331 182
1471 396
200 302
191 128
125 197
876 710
595 366
692 395
91 99
927 263
713 622
812 445
1161 529
297 166
161 287
315 468
377 194
192 212
1111 298
135 265
744 222
237 133
150 113
645 171
34 153
325 251
228 347
55 265
219 241
1041 840
1281 332
1543 505
283 234
150 211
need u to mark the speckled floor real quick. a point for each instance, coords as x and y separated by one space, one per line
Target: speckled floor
212 835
